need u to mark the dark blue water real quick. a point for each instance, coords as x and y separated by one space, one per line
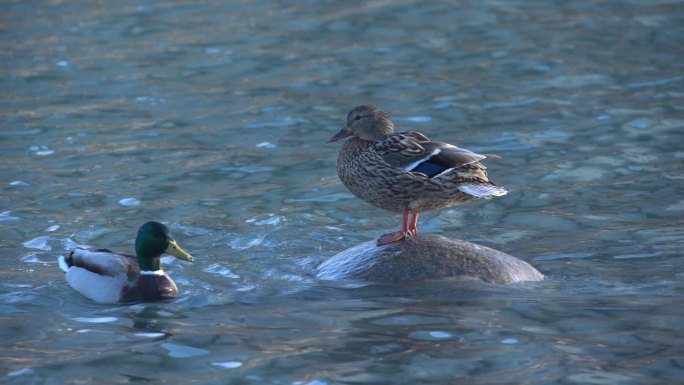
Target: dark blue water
212 117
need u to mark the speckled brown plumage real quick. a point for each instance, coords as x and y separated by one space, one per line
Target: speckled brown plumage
406 172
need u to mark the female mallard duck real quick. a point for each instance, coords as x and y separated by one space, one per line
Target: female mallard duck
406 172
104 276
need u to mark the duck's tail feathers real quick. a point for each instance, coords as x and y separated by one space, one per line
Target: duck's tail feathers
62 262
482 190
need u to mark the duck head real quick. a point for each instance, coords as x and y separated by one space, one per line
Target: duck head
152 241
366 122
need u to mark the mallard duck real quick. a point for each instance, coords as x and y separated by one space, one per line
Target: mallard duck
107 277
406 172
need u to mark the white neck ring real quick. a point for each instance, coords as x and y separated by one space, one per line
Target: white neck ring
152 272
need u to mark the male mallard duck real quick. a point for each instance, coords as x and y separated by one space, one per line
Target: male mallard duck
406 172
104 276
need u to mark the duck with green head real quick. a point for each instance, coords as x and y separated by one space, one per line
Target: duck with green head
107 277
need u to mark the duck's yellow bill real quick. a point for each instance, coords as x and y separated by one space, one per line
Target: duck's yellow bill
177 252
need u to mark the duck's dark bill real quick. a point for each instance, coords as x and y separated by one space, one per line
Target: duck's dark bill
343 133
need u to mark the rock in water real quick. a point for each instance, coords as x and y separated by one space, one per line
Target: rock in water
426 256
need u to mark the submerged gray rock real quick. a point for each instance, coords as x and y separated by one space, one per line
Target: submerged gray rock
427 256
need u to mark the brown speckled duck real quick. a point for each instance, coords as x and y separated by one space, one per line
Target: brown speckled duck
406 172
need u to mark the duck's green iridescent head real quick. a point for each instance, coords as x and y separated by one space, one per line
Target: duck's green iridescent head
152 241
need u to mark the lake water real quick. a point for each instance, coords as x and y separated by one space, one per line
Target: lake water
212 117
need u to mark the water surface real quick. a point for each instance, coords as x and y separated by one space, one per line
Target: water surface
212 117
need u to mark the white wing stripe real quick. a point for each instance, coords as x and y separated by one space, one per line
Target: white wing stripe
415 164
442 173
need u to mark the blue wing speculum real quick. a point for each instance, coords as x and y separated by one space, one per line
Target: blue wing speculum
430 166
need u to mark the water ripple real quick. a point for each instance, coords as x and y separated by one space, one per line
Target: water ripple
21 372
40 243
5 216
228 364
220 270
242 243
129 202
98 320
183 351
41 150
325 198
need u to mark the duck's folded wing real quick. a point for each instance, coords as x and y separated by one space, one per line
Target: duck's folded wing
415 153
102 262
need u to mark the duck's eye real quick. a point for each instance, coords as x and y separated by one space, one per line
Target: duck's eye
357 117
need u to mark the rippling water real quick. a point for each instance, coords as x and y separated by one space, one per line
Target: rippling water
212 117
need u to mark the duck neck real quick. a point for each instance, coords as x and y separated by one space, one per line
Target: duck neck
379 137
149 264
